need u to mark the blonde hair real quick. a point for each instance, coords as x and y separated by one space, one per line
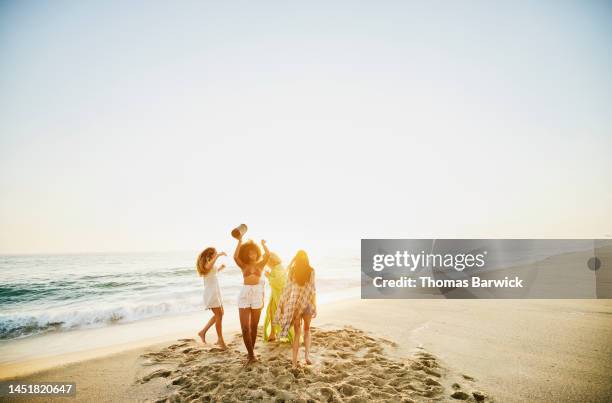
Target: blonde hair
300 268
203 260
274 260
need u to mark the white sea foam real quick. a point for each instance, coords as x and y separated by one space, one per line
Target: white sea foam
57 293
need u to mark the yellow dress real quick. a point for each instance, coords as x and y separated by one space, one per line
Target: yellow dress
277 279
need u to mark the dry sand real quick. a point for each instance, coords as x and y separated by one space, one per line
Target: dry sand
422 350
348 365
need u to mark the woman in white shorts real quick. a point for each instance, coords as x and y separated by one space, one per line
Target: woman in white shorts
251 298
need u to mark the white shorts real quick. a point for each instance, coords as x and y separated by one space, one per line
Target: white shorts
251 296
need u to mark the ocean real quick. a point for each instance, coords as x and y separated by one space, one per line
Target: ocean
42 294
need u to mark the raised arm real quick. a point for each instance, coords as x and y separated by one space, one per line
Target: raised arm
266 256
211 263
215 260
237 253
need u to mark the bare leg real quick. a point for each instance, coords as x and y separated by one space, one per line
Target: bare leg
307 319
272 336
219 327
296 340
202 333
245 325
255 314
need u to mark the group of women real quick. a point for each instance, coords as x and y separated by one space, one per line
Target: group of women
292 303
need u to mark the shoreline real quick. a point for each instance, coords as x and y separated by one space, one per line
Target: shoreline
27 356
541 350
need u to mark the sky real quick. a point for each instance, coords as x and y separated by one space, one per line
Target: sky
154 126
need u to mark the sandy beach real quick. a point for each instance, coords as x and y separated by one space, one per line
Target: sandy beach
411 350
427 178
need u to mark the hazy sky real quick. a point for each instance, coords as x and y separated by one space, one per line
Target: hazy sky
145 125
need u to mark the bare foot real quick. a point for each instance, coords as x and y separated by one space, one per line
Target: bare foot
221 345
307 361
202 336
296 365
249 361
271 339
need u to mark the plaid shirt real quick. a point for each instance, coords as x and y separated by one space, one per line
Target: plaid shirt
294 300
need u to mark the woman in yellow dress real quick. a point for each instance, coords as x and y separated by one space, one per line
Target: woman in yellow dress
277 277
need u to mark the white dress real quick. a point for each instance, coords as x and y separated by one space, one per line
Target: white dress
212 292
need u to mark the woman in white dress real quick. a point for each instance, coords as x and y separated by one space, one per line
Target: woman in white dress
212 293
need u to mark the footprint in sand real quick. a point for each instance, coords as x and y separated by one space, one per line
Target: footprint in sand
348 366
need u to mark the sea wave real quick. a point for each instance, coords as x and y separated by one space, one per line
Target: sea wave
17 292
19 325
42 294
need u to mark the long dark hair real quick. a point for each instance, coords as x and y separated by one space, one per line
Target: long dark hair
300 268
203 260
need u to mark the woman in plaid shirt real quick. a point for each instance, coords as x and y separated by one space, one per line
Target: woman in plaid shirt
298 303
